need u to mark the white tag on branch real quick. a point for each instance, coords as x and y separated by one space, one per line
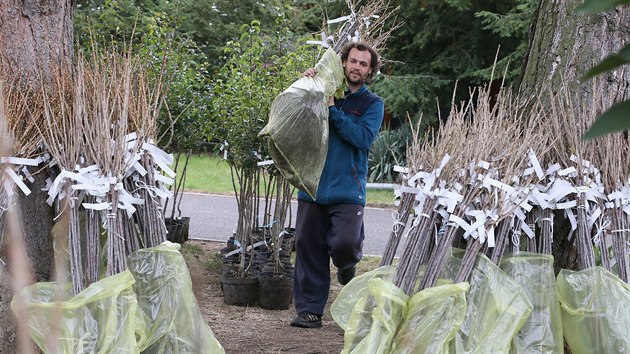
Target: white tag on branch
535 164
27 174
483 164
570 171
97 206
553 169
560 189
401 169
339 19
592 218
585 163
527 230
540 198
571 217
265 163
160 157
444 161
323 42
18 181
448 199
19 161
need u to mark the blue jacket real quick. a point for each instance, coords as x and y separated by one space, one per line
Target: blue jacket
353 125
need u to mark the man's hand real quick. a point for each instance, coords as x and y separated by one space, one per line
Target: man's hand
310 72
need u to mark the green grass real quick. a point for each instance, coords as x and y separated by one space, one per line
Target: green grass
208 173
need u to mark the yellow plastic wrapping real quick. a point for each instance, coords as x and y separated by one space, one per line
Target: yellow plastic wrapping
347 299
432 319
164 291
389 306
497 309
148 308
100 319
595 311
298 124
542 332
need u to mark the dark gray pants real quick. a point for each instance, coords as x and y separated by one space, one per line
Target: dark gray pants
323 232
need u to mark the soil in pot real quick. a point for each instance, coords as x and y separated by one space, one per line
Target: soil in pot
275 291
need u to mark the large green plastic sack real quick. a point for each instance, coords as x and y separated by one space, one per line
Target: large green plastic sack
497 308
390 304
433 318
595 311
164 291
542 332
356 290
148 308
100 319
298 124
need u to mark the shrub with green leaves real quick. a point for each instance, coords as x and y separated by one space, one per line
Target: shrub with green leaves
258 68
389 150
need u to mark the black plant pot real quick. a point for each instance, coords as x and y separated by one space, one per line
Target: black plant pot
275 291
240 291
177 229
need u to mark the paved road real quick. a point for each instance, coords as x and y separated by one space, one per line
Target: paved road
214 217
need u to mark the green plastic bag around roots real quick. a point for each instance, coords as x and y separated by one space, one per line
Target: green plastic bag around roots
542 332
433 318
100 319
595 316
148 308
298 125
497 309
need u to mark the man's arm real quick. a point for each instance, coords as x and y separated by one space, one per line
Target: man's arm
363 132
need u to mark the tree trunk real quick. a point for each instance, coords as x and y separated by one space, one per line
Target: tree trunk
35 43
564 45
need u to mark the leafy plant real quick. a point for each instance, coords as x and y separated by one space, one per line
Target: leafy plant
389 150
449 42
616 118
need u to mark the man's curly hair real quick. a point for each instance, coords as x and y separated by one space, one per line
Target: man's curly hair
375 61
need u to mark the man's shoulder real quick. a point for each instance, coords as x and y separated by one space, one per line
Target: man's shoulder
373 98
365 92
371 95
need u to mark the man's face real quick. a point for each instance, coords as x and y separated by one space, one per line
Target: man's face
357 66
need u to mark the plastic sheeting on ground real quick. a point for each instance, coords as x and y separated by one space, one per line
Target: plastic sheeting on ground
497 309
542 332
298 124
110 317
595 311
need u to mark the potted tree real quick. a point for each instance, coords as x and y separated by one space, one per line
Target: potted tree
275 279
258 67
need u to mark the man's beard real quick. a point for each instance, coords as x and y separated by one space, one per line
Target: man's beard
361 80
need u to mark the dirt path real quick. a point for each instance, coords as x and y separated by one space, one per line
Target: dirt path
252 329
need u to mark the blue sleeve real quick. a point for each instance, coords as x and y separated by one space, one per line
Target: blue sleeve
361 133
